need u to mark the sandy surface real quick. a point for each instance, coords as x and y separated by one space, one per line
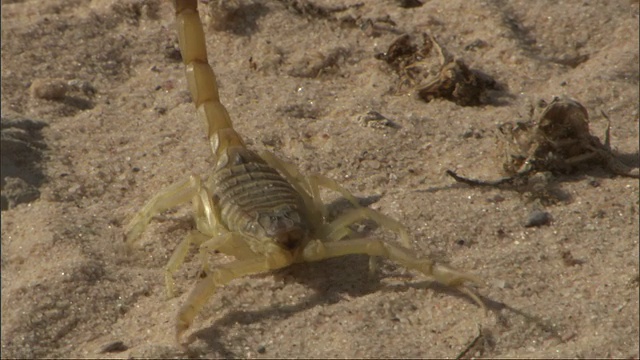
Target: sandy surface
96 119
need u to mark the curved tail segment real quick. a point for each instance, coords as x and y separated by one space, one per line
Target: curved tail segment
202 81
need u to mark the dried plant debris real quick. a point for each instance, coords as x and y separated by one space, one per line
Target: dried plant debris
408 57
449 78
404 52
479 345
558 141
458 84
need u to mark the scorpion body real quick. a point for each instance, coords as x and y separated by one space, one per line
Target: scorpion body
252 197
255 207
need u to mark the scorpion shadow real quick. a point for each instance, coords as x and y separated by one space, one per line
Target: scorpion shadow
328 279
331 280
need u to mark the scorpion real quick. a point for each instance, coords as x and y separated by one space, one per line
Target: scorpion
257 208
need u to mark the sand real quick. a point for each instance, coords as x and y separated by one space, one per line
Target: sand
96 119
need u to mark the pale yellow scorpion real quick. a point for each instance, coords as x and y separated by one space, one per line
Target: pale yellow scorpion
255 207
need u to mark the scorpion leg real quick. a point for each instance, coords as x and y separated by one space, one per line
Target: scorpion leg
317 250
206 218
309 184
317 180
228 243
173 195
178 256
210 236
204 215
205 288
339 228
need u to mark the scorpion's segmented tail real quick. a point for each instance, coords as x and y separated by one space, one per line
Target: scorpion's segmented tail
201 79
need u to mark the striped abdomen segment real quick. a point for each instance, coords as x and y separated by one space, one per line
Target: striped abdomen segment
254 198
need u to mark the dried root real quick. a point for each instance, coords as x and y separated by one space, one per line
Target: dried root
450 78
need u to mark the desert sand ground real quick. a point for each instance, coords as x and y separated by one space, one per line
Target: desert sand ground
96 119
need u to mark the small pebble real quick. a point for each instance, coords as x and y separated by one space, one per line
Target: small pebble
467 134
49 89
496 199
594 182
538 218
82 85
114 346
501 284
373 164
374 119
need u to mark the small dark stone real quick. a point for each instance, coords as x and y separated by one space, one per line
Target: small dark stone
261 349
569 260
408 4
467 134
538 218
476 44
114 346
594 182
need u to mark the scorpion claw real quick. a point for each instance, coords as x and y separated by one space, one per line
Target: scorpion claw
181 327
